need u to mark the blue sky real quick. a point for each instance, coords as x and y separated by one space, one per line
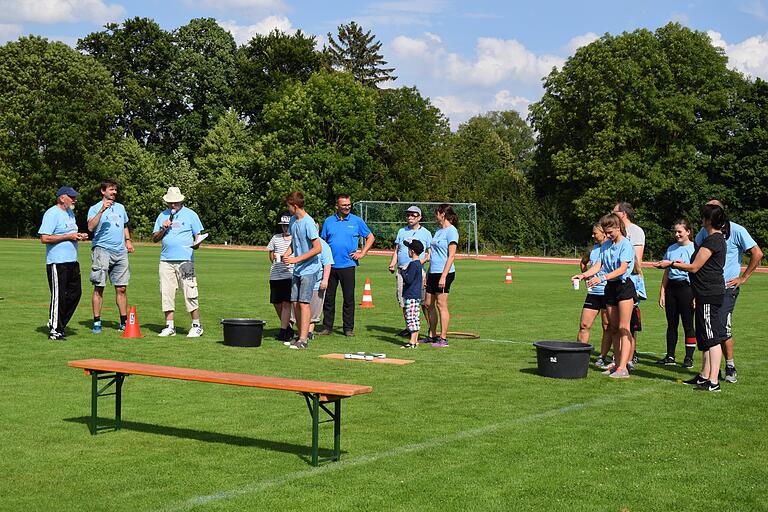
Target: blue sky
468 57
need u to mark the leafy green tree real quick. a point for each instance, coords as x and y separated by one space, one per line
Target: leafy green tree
269 62
318 138
141 58
205 72
357 52
412 145
57 107
228 207
633 117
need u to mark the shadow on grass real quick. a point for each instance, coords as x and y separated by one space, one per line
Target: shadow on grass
301 451
105 324
387 334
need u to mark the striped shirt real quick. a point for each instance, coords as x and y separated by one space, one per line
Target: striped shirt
279 270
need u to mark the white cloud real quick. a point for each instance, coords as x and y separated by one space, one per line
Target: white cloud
757 8
9 32
259 5
503 100
577 42
749 56
452 105
410 47
244 33
498 60
57 11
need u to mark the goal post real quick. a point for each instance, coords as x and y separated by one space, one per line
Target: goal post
385 218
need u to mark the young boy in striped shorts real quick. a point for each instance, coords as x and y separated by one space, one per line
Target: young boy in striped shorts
413 282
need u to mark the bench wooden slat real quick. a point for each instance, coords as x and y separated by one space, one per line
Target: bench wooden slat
236 379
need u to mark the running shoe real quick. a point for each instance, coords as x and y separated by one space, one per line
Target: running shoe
696 380
667 361
56 336
688 362
168 331
427 339
619 374
299 345
440 343
730 374
603 364
610 369
708 386
121 328
96 329
409 345
195 332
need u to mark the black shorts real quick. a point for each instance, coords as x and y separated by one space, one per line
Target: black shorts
616 291
710 325
434 279
635 323
595 302
280 291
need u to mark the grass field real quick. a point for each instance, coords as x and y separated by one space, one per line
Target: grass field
470 427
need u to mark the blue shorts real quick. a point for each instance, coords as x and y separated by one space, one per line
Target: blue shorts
302 288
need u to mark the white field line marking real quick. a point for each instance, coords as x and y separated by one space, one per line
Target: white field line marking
263 485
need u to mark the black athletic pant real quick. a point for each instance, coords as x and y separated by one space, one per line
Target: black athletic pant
678 305
345 276
64 282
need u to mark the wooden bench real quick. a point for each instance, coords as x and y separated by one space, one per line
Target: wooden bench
316 394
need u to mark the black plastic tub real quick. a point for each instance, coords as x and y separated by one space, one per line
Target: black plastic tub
563 359
243 332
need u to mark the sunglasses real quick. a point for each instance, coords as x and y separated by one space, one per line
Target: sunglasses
412 214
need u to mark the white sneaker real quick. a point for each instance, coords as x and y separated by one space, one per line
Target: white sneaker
168 331
195 332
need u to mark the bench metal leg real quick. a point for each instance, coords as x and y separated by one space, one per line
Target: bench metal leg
116 379
314 404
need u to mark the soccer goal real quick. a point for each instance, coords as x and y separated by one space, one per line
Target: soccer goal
385 218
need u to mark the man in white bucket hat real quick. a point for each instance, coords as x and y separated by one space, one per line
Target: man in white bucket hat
179 228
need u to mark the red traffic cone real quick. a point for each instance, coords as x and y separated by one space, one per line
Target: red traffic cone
367 297
132 326
508 279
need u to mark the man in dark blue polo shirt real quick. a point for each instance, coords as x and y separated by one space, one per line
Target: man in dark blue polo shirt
343 232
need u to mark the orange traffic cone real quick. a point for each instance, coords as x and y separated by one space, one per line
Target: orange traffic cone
367 297
132 326
508 279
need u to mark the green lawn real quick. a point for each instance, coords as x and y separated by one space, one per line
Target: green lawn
470 427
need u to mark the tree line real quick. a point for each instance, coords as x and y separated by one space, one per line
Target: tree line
654 118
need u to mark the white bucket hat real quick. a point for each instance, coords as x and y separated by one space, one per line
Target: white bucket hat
173 195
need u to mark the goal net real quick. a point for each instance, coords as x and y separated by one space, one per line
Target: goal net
385 218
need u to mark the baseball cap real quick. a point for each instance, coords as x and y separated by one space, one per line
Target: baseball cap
413 209
414 245
285 219
67 191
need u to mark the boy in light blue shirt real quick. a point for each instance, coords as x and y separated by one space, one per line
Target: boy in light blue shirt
108 221
178 227
304 256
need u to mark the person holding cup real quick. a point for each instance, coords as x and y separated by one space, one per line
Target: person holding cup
281 276
617 260
594 303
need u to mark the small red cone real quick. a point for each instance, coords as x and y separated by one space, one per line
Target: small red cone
508 279
367 297
132 326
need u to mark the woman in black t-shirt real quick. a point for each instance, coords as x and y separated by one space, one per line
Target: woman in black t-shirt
706 273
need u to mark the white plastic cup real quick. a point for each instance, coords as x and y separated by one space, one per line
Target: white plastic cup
575 283
278 258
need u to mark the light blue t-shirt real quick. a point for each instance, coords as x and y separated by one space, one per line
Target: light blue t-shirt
614 254
677 252
326 258
343 235
639 283
736 244
59 222
439 247
109 232
177 242
422 235
594 257
303 232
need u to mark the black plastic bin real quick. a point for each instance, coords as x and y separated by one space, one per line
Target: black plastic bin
563 359
243 332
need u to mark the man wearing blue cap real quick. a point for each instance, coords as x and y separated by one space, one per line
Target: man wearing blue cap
58 232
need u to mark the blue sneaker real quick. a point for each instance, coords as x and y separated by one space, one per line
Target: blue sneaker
96 328
121 328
